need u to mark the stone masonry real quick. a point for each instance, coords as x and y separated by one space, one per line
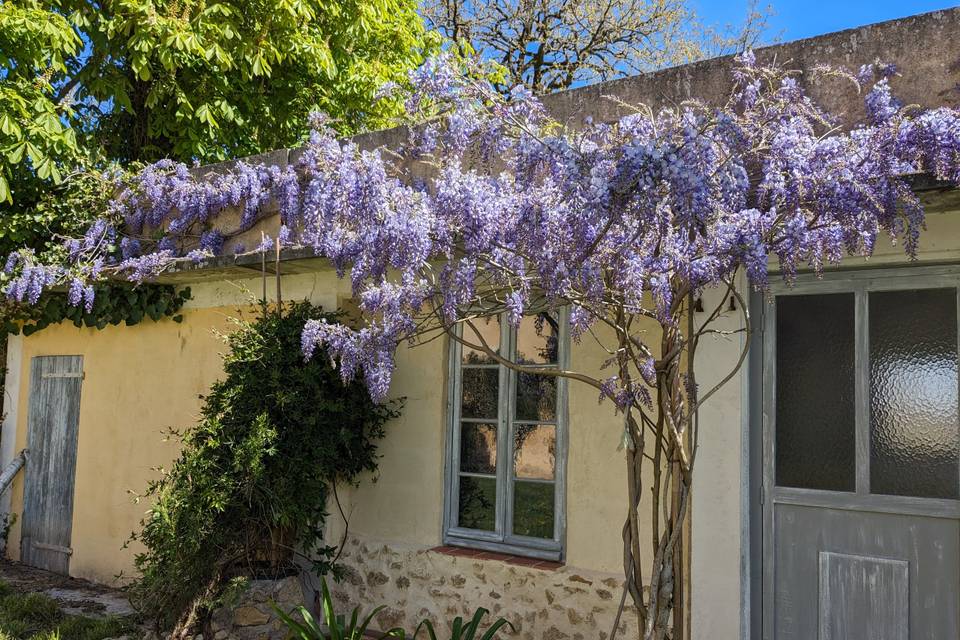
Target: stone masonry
542 604
252 617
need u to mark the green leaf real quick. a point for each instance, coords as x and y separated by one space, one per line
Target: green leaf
9 126
15 154
204 115
492 631
328 613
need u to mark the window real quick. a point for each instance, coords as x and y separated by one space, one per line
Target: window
505 453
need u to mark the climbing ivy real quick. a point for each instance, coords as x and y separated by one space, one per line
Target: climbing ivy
115 303
249 490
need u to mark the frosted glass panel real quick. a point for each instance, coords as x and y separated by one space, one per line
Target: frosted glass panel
913 393
815 421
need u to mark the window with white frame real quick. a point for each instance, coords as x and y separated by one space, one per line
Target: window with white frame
507 443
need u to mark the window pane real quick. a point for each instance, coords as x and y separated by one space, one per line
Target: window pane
536 397
478 503
913 399
478 447
534 451
489 328
481 393
815 392
538 339
533 509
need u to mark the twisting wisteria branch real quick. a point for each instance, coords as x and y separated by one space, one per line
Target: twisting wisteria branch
623 223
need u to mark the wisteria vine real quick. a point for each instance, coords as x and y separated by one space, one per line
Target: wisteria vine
615 221
687 194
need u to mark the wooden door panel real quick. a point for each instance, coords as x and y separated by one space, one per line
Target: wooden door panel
852 575
52 427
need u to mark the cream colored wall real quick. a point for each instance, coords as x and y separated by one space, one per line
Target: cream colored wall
716 515
143 380
403 502
138 383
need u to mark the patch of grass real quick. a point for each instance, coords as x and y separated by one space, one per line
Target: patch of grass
14 629
22 614
30 607
34 616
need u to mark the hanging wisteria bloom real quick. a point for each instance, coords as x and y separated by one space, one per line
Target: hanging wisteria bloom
518 211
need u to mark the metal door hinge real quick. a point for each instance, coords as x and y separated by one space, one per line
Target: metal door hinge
43 546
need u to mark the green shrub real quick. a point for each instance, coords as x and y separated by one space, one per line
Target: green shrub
84 628
338 628
15 629
251 482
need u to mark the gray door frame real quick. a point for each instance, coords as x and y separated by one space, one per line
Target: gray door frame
760 490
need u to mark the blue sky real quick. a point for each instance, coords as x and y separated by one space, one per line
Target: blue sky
795 19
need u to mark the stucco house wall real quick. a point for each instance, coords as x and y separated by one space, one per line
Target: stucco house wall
140 381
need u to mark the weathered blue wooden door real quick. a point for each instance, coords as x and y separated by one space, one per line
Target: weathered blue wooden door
52 424
862 459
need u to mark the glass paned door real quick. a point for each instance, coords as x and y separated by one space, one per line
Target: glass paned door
861 449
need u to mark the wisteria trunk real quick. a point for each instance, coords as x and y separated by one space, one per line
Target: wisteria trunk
663 437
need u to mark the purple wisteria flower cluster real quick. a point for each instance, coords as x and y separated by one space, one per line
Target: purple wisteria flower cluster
517 211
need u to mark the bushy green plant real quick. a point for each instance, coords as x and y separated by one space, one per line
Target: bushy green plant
466 631
252 479
32 609
337 626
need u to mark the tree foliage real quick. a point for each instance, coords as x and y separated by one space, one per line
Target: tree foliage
36 47
554 44
251 483
45 213
192 79
114 303
84 84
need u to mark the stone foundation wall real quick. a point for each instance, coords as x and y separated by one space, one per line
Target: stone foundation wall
252 617
542 604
